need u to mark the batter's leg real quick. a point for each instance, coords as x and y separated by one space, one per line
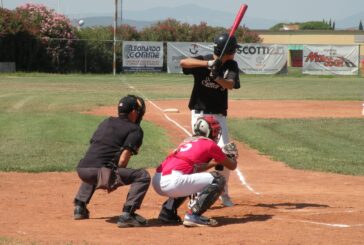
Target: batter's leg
225 198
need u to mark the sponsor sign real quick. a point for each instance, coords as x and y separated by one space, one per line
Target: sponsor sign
142 56
330 59
251 58
255 58
180 50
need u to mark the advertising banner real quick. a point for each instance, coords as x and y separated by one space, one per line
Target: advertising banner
255 58
180 50
330 59
142 56
251 58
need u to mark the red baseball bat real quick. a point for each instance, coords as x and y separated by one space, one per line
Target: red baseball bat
236 24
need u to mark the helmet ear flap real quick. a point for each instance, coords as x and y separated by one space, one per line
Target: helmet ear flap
202 127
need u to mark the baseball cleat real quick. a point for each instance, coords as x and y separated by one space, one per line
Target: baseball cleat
226 201
131 220
81 212
193 220
168 216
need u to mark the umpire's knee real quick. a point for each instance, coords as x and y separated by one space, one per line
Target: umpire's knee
143 176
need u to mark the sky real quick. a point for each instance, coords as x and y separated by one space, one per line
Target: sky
288 10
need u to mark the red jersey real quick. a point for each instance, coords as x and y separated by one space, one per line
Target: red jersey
195 150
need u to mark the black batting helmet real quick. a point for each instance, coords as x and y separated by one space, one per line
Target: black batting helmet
220 42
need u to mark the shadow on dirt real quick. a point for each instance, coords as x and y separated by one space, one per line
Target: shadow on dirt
151 222
289 205
223 220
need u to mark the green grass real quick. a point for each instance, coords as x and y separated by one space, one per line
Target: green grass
12 241
37 142
41 128
329 145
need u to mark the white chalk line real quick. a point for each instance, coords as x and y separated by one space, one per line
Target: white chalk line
321 223
238 172
314 212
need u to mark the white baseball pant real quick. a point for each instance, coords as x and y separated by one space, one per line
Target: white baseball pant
178 184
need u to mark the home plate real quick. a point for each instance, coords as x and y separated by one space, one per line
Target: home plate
175 110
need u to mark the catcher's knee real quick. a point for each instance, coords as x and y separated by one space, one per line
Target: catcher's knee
208 195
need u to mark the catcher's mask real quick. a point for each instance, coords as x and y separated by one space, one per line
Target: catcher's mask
209 127
220 42
130 103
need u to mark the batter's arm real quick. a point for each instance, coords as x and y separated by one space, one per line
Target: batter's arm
225 83
193 63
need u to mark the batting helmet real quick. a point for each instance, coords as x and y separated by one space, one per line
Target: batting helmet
132 102
220 42
207 126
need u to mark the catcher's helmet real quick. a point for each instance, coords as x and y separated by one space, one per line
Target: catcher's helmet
220 42
207 126
129 103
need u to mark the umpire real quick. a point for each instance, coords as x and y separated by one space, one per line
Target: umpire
116 140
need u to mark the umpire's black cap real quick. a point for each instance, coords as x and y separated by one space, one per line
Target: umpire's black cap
129 103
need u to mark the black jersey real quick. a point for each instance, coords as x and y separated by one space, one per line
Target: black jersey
207 95
111 135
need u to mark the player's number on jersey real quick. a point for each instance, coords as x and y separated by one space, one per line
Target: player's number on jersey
185 147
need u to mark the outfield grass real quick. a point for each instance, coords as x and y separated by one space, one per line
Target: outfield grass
41 128
329 145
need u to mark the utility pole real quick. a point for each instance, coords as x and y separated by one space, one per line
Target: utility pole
115 25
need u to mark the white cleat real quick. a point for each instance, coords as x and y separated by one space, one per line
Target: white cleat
226 201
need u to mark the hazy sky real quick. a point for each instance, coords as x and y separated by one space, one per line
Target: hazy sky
290 10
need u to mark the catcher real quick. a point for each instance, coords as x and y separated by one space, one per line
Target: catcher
182 174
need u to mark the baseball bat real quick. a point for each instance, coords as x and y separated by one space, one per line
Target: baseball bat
235 26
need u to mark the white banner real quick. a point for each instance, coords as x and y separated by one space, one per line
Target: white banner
262 59
251 58
330 59
142 56
180 50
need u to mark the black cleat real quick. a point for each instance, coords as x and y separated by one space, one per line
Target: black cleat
131 220
168 216
81 212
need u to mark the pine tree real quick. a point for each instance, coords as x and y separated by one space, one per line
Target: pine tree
360 26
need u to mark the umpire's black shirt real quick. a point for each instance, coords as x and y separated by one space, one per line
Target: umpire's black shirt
111 135
207 95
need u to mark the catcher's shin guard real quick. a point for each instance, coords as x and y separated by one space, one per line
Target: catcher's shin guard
208 195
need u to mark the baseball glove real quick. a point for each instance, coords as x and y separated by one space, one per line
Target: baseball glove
230 150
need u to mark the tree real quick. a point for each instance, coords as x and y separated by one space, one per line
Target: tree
54 30
333 25
360 26
315 25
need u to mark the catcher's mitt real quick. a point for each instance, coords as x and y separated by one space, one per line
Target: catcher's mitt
230 150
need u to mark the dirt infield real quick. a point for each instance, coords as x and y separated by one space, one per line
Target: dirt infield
274 204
